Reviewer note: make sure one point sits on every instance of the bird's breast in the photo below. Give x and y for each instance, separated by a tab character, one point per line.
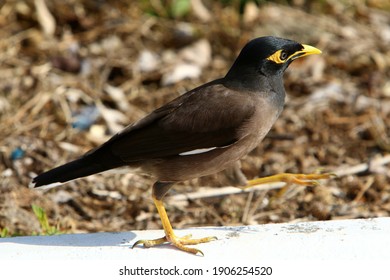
266	112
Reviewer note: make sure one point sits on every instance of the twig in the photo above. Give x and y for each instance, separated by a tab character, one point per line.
365	187
204	192
364	167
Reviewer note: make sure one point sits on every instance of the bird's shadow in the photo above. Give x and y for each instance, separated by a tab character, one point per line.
121	239
77	240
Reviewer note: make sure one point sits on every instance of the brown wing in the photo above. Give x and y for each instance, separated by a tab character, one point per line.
205	117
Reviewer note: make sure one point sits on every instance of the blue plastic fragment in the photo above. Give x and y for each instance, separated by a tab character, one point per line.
17	153
86	117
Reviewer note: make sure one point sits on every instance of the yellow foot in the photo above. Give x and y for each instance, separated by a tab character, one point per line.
290	178
178	242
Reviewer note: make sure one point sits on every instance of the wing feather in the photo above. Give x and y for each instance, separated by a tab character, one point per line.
200	119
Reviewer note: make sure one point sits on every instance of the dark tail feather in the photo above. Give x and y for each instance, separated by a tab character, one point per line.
82	167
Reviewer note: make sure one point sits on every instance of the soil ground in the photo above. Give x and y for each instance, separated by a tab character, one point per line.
75	72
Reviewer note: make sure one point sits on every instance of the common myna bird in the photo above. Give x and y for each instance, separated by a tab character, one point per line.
201	132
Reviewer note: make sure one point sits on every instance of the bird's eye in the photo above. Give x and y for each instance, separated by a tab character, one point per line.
283	55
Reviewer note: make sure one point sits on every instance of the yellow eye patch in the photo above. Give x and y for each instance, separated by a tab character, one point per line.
276	57
307	50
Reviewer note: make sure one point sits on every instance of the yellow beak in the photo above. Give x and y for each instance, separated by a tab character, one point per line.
307	50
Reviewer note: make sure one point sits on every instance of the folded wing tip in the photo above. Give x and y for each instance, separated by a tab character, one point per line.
33	185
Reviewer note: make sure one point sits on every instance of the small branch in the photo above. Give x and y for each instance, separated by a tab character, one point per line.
206	192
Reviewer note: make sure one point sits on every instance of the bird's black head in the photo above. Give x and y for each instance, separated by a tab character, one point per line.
265	57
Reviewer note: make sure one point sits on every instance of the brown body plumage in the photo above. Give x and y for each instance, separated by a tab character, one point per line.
199	133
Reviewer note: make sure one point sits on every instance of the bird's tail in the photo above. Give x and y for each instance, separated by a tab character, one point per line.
84	166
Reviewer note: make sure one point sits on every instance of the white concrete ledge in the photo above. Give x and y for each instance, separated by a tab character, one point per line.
367	239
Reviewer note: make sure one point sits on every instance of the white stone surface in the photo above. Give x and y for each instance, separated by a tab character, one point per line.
356	240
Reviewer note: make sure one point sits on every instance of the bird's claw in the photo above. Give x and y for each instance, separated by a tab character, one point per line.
178	242
291	178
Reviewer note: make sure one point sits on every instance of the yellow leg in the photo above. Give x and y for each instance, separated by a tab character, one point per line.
290	178
170	236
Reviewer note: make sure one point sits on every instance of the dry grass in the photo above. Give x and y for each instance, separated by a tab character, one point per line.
55	62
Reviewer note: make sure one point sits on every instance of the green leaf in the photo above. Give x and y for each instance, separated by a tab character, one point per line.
180	8
42	218
4	233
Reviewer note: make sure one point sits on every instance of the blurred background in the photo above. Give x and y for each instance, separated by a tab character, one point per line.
74	72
